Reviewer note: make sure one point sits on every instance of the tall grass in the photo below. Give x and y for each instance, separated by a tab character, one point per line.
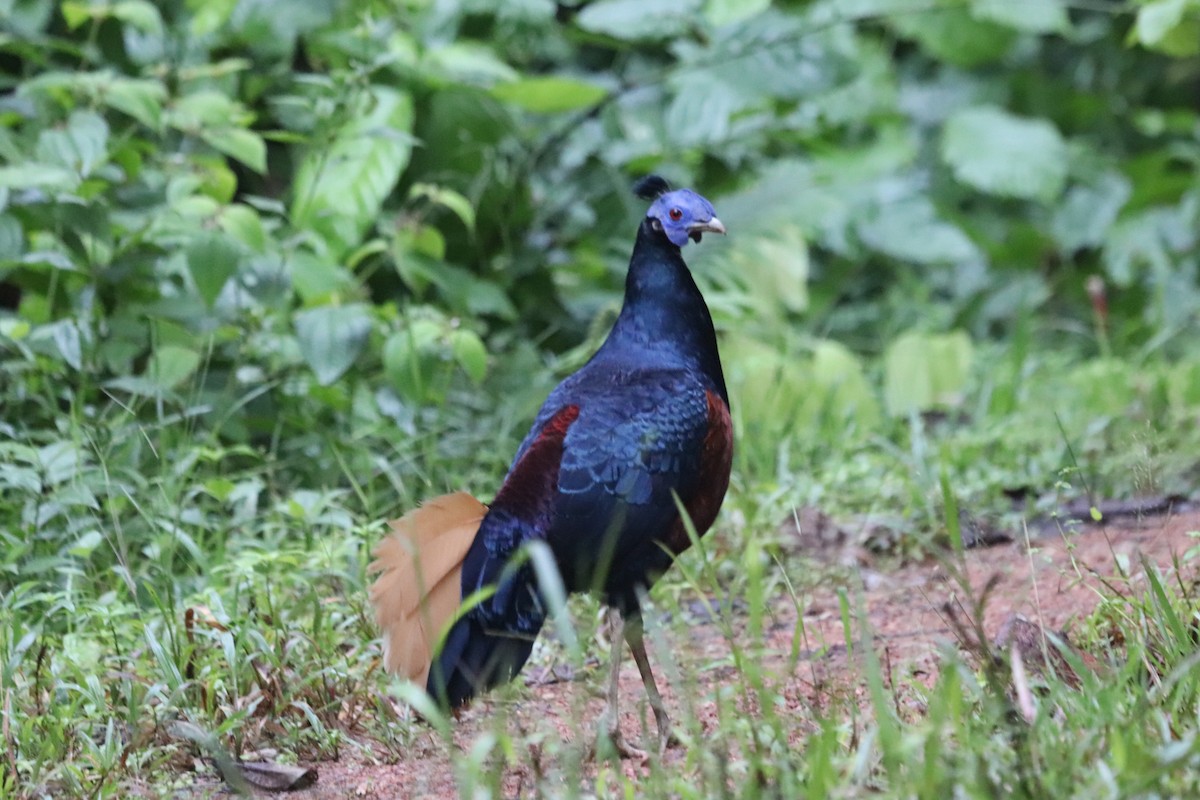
172	603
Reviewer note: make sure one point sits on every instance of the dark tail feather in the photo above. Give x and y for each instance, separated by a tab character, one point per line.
473	661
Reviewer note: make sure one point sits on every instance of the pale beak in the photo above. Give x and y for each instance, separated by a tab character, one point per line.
714	225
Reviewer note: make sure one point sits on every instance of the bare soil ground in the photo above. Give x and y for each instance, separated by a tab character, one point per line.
1055	582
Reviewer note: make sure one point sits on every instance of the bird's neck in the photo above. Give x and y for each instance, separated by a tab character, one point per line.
664	317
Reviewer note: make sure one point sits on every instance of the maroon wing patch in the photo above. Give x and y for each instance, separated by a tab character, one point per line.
716	458
534	478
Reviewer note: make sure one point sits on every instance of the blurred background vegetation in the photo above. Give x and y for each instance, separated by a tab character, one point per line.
272	270
283	222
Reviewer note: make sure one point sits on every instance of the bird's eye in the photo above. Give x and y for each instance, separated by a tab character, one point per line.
675	214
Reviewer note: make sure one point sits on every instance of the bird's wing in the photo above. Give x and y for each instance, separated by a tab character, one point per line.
635	448
639	437
522	510
566	394
601	468
597	478
492	638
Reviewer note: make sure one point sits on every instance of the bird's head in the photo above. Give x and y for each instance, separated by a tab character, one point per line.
680	214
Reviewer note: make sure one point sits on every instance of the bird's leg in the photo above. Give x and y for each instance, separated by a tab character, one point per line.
612	720
633	635
616	627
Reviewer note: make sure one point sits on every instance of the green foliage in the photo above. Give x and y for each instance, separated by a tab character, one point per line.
924	371
342	180
272	271
1000	154
1172	26
549	95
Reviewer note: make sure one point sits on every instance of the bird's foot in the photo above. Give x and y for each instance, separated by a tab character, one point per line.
668	739
613	738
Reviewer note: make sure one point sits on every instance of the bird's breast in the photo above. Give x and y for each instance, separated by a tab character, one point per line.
716	460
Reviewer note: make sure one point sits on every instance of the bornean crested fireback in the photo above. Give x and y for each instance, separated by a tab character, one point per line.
618	447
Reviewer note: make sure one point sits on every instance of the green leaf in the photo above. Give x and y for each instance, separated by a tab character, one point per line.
135	385
475	295
170	365
140	98
843	388
1032	16
81	146
909	230
1172	26
1104	387
79	649
412	360
950	33
12	238
86	544
634	20
340	186
14	329
28	19
60	461
1157	18
140	14
222	123
1145	242
448	198
331	337
425	240
702	110
792	389
209	15
218	181
1002	154
725	12
773	56
470	354
774	268
468	63
244	224
1087	213
76	13
550	95
246	146
206	108
316	279
65	334
212	258
219	488
923	371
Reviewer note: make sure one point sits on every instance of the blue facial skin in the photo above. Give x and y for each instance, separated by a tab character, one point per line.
682	215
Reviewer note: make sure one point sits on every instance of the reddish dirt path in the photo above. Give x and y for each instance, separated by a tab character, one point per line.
1056	582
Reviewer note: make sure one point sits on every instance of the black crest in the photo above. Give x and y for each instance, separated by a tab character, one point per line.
651	187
